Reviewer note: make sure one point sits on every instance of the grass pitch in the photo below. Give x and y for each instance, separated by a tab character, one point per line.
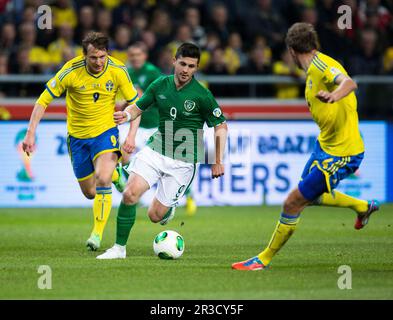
306	268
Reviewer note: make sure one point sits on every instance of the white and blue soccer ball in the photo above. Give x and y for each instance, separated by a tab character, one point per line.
168	244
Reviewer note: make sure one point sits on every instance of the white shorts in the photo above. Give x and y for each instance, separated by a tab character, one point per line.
142	135
173	177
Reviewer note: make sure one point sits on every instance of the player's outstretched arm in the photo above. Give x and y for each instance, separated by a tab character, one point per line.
35	118
345	86
130	113
220	138
130	144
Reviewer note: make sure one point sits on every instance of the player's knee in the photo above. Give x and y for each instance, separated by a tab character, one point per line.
130	197
89	194
103	180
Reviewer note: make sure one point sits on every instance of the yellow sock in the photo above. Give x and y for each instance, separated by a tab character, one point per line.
343	200
284	229
115	176
101	209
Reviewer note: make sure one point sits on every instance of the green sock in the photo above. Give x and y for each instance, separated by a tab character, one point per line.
125	220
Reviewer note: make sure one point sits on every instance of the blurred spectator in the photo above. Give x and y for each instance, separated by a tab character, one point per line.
265	20
161	25
175	8
4	63
258	62
291	10
124	13
139	23
63	12
85	23
367	59
217	63
373	21
260	42
165	61
388	61
104	22
22	64
219	22
217	66
29	14
37	56
234	54
193	19
287	67
183	34
65	41
110	4
149	38
309	15
4	69
212	42
118	48
8	38
374	7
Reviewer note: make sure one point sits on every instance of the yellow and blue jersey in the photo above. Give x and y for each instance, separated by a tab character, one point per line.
90	98
338	122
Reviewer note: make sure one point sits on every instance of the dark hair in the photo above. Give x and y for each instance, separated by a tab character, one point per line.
140	45
302	37
188	50
97	40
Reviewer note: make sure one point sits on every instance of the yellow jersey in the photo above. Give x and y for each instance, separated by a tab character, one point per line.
338	122
90	98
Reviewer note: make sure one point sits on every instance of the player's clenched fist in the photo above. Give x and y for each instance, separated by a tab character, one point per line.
120	117
28	144
217	170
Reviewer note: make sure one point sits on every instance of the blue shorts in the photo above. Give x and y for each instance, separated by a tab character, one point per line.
323	172
83	152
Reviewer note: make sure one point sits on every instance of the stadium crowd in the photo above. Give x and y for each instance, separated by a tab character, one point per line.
236	36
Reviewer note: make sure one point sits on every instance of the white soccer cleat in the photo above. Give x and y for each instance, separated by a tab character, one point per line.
168	216
116	252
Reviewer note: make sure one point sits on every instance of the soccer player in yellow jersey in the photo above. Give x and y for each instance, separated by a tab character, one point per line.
339	149
91	82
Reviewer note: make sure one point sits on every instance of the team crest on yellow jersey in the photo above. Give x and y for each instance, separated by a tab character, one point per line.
109	85
310	84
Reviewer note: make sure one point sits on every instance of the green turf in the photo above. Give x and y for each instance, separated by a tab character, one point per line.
306	268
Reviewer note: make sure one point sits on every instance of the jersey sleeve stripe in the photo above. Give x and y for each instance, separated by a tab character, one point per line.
323	64
51	93
136	96
68	71
121	67
73	66
319	67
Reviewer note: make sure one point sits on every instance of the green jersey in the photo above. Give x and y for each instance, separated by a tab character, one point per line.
182	115
141	79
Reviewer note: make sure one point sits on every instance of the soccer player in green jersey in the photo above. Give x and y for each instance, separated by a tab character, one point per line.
142	74
339	149
91	81
173	151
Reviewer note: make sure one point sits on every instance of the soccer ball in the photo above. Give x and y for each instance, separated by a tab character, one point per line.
168	244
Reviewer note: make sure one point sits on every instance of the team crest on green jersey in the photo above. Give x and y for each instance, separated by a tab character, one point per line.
217	112
189	105
109	85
